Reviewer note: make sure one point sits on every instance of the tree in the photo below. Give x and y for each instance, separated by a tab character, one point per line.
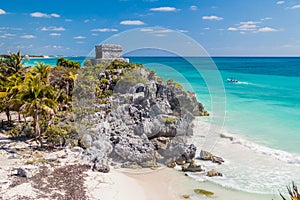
293	192
67	63
37	97
11	76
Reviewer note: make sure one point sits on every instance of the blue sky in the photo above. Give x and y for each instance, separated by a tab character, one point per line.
222	27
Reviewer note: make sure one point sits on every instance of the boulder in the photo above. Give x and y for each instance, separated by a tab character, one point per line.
192	167
205	155
100	167
213	172
176	150
171	164
22	172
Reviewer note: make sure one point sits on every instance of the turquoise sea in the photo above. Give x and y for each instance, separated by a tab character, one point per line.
262	114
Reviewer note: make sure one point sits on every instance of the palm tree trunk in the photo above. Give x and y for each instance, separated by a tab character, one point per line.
37	130
8	116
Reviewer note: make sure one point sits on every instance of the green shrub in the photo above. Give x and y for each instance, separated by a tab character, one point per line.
58	135
104	80
169	120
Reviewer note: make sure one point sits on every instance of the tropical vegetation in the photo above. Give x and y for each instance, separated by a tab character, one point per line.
46	100
293	192
41	95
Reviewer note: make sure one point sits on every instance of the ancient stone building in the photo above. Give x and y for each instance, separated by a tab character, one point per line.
108	52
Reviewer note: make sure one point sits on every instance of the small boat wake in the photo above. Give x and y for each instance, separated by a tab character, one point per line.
235	81
232	80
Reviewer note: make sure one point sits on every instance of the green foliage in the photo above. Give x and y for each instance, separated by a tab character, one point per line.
22	130
87	63
169	120
57	135
133	77
170	81
293	192
121	65
67	63
104	80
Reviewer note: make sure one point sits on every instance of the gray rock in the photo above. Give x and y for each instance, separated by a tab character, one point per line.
192	167
176	150
86	141
22	172
205	155
100	167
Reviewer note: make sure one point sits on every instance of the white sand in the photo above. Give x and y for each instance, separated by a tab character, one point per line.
146	184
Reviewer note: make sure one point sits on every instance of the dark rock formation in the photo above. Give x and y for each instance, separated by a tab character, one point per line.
22	172
205	155
192	167
213	172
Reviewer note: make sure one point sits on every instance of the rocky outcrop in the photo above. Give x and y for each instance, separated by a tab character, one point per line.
192	167
146	120
205	155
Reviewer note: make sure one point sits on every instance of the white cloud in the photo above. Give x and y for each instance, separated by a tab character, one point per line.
248	26
28	36
232	29
7	35
44	15
249	23
183	31
132	22
53	28
11	28
164	9
212	17
146	29
105	30
280	2
251	26
55	15
55	34
267	29
266	18
207	28
79	37
193	8
295	7
160	32
2	12
57	47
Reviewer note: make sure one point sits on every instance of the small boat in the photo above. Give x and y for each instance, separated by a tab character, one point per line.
232	80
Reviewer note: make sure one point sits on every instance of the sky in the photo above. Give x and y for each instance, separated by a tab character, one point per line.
222	27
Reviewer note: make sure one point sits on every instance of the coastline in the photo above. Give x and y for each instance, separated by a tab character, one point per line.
140	184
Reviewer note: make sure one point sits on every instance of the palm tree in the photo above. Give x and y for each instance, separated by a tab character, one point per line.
14	62
43	71
11	75
293	192
38	98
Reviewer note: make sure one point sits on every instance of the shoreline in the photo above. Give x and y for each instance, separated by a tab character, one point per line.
140	184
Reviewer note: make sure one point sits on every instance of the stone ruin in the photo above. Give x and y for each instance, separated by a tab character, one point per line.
108	53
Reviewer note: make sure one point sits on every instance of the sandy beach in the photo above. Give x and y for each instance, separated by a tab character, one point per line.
119	184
